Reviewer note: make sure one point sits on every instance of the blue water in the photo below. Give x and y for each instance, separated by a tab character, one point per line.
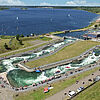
41	20
73	34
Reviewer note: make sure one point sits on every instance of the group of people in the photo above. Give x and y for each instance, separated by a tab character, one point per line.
3	83
37	84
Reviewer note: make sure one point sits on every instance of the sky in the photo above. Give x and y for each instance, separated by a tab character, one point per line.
51	2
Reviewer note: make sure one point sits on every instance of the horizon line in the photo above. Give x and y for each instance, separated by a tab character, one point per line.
49	6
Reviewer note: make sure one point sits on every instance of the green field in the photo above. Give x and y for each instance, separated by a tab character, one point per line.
13	53
58	86
92	93
67	52
26	42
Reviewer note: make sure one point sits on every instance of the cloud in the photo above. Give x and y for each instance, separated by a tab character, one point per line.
11	2
45	4
80	3
70	3
76	2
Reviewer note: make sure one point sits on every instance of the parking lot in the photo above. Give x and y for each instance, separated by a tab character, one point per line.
82	83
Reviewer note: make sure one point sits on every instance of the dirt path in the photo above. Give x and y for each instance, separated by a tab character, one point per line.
60	95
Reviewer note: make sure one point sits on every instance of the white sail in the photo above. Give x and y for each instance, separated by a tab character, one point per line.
17	18
68	14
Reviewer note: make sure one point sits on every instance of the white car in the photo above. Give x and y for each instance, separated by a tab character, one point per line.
71	93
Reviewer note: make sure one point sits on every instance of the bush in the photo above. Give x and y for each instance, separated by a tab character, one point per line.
17	37
20	42
21	35
6	46
27	35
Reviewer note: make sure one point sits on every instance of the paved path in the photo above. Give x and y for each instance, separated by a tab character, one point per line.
63	77
6	94
54	37
60	95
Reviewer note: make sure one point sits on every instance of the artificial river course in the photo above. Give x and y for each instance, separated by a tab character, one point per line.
18	77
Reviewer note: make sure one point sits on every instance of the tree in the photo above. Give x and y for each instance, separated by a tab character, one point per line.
20	42
6	46
21	35
96	26
27	35
17	37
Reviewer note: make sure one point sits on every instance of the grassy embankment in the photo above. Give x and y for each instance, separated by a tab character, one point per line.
92	93
3	8
58	86
93	9
15	45
67	52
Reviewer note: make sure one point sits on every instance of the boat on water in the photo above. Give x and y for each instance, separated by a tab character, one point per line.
68	67
69	15
38	71
17	18
58	71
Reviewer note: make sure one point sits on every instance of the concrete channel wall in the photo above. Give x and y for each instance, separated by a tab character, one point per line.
63	62
23	66
31	51
75	72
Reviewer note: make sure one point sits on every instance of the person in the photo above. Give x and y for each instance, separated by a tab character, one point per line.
83	82
65	93
66	75
24	61
77	82
49	85
69	91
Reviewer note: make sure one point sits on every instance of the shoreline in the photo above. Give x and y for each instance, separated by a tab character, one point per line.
90	26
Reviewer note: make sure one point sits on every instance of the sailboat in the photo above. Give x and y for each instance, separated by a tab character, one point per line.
17	18
69	15
17	23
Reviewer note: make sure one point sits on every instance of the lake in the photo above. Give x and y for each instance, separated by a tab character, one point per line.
42	20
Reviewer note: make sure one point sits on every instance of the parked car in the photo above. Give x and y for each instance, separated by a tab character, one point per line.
71	93
80	89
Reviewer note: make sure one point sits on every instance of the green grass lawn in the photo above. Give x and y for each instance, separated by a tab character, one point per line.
58	86
92	93
23	50
27	41
36	38
2	42
67	52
